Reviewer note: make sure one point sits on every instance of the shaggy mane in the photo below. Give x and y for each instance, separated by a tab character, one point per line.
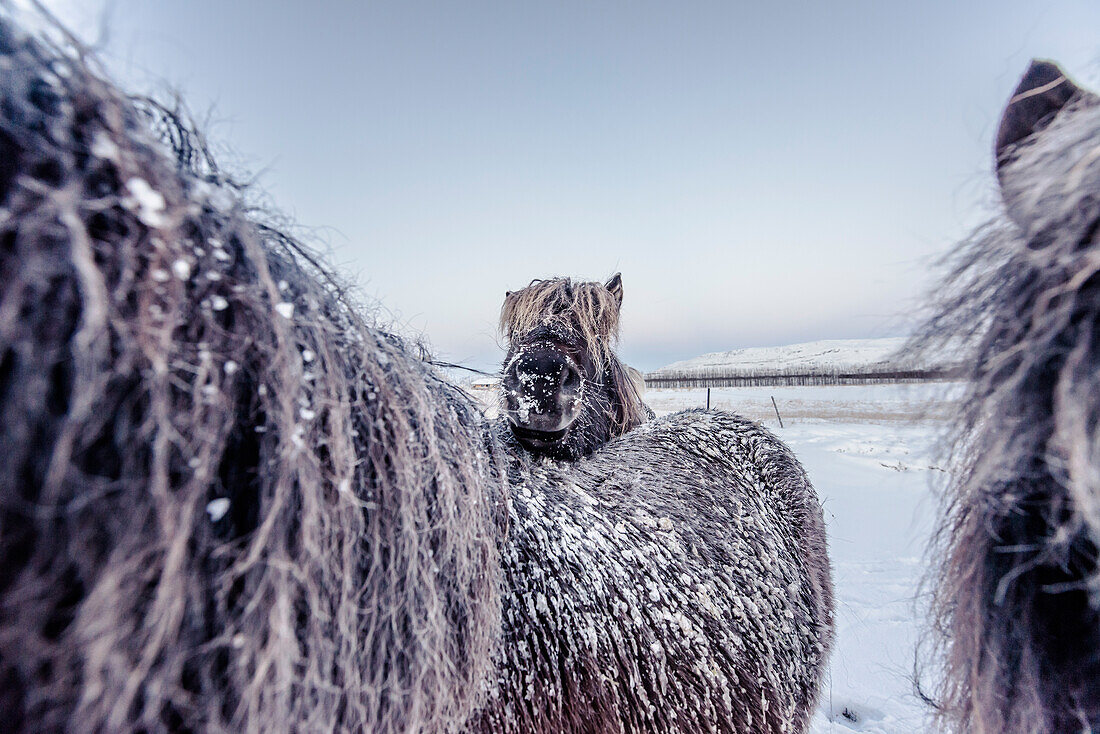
228	502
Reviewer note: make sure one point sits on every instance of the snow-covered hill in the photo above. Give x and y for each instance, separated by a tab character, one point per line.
832	355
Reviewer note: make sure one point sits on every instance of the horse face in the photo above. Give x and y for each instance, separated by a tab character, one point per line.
564	392
546	378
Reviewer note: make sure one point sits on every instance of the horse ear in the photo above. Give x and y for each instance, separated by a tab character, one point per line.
1044	90
615	286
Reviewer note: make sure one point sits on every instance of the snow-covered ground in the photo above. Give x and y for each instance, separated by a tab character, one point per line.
871	452
875	482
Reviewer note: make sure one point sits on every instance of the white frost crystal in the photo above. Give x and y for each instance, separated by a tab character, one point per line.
104	147
216	509
148	203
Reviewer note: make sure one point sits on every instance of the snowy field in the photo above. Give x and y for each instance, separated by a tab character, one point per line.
884	403
871	453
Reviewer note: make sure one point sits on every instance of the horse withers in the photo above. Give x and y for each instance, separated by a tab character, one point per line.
674	580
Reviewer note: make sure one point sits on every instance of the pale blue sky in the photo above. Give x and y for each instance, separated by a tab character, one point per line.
761	173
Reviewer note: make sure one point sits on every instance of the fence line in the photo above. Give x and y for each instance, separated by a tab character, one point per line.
767	378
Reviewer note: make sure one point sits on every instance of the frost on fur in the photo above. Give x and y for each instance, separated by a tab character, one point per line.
676	580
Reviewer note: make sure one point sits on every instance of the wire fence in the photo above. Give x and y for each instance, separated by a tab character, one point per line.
723	377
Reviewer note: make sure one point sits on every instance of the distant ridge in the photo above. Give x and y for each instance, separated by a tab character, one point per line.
827	352
827	362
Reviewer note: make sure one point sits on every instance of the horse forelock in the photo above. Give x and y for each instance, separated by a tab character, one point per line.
585	316
586	312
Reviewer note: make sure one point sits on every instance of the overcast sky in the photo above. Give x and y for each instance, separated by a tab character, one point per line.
762	173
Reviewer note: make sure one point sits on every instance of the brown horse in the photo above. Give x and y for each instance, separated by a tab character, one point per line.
1017	599
564	392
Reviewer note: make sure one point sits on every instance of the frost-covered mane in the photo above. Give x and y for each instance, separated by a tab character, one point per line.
210	458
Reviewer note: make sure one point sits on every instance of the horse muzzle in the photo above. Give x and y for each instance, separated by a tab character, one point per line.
542	397
533	439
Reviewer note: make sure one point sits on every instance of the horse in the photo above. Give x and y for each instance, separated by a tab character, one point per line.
660	575
564	391
1016	602
231	502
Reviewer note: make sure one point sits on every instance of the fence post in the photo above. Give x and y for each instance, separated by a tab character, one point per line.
708	398
777	412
